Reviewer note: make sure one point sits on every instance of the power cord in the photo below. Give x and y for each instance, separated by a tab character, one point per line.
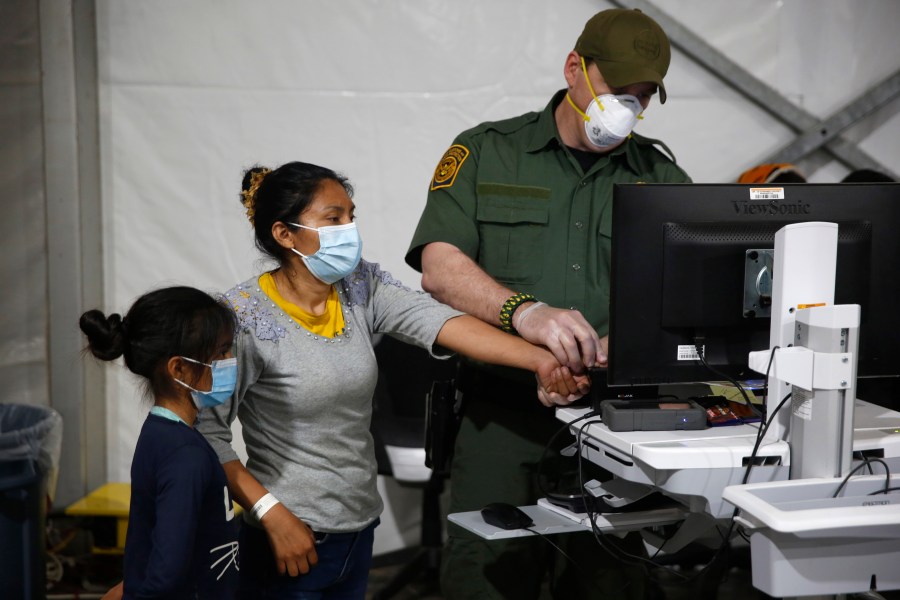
860	456
592	514
702	358
588	502
866	461
591	417
587	575
761	434
540	468
561	551
618	553
751	462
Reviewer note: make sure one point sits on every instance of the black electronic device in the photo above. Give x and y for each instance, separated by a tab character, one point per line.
691	265
505	516
652	415
601	391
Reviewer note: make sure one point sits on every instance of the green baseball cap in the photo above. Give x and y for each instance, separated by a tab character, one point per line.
627	46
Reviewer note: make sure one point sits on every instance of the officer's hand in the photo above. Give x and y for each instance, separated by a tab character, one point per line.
566	333
603	354
292	541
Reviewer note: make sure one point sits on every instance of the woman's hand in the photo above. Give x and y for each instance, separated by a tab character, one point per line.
558	386
293	542
116	592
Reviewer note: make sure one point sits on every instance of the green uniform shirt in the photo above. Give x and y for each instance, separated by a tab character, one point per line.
512	197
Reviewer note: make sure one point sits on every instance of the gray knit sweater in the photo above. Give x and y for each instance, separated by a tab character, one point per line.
305	402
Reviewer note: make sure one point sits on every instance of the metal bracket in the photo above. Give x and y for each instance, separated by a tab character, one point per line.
758	283
807	369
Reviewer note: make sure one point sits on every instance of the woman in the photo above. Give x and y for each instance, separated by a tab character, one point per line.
182	536
306	380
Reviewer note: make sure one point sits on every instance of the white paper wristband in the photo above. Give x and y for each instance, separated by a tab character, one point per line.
263	505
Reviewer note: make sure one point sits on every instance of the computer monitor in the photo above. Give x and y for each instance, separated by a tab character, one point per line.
687	269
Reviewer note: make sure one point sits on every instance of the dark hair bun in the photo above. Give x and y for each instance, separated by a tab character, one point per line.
106	335
247	181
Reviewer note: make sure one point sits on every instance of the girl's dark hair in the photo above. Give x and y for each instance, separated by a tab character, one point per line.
282	195
173	321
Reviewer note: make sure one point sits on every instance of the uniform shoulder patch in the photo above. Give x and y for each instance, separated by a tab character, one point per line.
449	166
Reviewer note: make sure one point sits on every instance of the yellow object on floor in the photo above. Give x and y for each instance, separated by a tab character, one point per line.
107	507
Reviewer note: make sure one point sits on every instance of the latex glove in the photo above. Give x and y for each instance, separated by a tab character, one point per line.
292	541
603	355
566	333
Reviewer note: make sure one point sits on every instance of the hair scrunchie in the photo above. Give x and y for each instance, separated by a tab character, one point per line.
248	196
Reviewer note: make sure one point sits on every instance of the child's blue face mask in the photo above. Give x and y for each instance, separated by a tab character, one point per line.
340	248
224	379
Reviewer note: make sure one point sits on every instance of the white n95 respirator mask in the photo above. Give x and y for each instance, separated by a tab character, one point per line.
609	118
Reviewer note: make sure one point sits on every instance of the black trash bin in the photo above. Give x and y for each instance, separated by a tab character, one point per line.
30	439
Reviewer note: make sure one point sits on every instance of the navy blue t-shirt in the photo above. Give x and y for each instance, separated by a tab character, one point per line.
182	534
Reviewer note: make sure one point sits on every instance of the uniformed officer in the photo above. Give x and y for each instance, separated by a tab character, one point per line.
516	231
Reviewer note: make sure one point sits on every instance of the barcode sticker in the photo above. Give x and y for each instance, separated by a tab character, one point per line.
689	352
767	193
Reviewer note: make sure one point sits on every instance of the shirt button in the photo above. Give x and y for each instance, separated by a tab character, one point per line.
579	224
576	267
583	183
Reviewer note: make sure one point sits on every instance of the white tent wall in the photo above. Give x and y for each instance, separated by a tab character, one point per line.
50	228
191	92
23	315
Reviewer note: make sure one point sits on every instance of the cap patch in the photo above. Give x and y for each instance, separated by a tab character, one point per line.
646	44
448	167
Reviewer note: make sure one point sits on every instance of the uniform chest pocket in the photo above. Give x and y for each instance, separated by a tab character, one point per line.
512	224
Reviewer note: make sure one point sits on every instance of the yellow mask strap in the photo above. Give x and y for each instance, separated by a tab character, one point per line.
590	87
578	110
594	94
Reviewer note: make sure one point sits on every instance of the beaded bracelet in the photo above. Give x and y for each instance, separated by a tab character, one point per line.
509	307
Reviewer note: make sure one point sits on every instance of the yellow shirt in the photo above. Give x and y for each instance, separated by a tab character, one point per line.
329	324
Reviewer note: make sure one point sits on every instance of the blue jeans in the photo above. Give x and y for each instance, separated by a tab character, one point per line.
342	572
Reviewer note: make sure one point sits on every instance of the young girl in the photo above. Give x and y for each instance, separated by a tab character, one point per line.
182	535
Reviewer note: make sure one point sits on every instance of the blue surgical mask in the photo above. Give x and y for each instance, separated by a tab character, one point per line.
340	248
224	379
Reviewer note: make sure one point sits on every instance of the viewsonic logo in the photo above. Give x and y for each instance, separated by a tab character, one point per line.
771	208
